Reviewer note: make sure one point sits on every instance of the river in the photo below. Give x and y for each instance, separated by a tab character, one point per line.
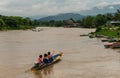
82	57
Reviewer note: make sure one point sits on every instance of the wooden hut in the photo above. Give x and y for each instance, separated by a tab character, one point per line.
113	23
70	23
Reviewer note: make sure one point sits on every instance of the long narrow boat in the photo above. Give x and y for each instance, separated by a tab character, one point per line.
113	45
105	40
108	45
56	58
84	35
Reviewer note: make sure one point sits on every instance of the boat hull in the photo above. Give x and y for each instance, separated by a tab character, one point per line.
113	45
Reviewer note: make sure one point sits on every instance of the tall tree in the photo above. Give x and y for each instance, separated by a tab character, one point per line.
117	15
27	21
88	21
109	16
99	20
2	24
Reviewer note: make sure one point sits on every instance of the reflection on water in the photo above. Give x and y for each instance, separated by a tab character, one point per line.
44	73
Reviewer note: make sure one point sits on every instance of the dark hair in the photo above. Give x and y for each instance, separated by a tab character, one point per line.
45	55
40	56
48	53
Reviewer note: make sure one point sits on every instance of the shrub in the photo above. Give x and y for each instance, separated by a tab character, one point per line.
98	29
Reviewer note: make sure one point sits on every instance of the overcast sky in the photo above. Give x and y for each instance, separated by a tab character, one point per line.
49	7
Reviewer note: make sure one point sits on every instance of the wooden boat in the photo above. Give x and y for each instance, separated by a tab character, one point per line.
108	45
84	35
104	40
116	45
99	36
110	40
113	40
113	45
56	58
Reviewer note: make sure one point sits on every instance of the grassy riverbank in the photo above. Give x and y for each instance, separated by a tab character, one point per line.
108	31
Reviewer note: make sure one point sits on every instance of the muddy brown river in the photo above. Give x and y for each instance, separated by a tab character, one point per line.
82	57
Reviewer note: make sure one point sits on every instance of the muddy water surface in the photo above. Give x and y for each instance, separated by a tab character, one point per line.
82	57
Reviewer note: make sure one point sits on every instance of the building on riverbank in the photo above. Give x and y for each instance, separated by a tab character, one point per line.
70	23
113	23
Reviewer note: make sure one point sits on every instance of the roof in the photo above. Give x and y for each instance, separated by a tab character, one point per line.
114	21
68	22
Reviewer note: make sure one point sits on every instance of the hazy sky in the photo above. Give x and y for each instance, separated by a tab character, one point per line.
49	7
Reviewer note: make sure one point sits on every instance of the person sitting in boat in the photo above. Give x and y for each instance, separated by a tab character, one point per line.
45	59
50	57
40	59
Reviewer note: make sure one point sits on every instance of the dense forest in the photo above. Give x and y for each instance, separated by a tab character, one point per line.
17	22
100	19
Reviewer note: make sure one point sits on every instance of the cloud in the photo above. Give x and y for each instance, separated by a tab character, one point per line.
49	7
111	7
106	3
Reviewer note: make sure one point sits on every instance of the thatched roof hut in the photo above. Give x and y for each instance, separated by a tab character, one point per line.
70	23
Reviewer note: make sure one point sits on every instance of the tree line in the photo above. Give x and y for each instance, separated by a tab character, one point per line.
100	19
17	22
51	23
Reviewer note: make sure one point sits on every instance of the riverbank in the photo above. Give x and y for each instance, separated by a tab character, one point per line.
108	31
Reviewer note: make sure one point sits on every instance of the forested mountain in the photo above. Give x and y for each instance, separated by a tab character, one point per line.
64	16
101	10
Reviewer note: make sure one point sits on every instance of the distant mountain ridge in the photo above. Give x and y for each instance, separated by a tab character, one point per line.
101	10
80	14
64	16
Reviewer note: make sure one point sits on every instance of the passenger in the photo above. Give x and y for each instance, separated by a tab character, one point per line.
50	57
40	59
45	59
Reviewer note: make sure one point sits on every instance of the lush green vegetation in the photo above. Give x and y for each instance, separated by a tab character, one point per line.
100	19
51	23
109	31
17	22
99	22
